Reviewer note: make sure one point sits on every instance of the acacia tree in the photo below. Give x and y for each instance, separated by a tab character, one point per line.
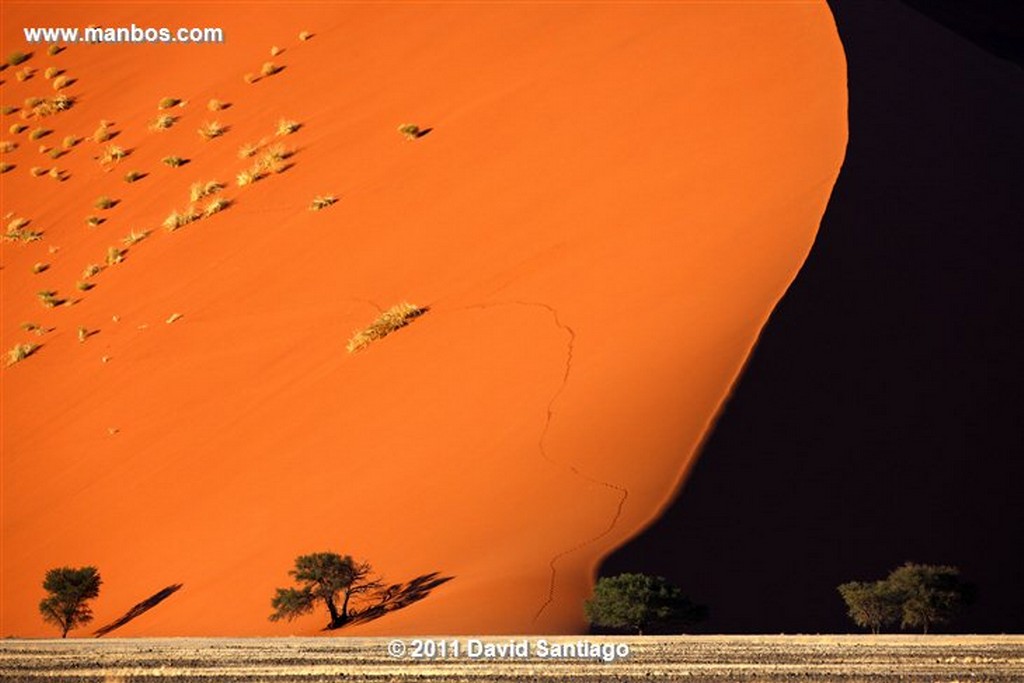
915	595
69	590
930	594
638	602
327	578
871	605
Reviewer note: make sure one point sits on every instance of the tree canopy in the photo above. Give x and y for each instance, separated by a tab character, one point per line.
69	591
638	602
327	578
915	595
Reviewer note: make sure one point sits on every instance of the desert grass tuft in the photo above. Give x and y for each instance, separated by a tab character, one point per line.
174	162
410	130
162	122
103	132
83	334
8	146
212	129
55	153
37	171
56	174
40	268
200	190
20	352
51	72
104	203
48	298
61	82
91	270
174	317
305	35
287	127
216	206
5	167
111	154
115	255
395	318
83	286
322	202
133	176
17	128
134	237
32	327
54	50
38	133
269	69
250	78
179	219
69	141
216	105
16	58
24	74
247	150
248	177
168	102
8	109
93	221
275	51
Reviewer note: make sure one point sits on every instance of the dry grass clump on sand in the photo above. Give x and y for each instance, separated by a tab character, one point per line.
216	105
17	128
61	82
5	167
84	286
17	231
48	298
168	102
134	237
173	161
54	50
69	141
91	270
115	256
40	268
104	203
250	78
133	176
8	146
162	122
410	130
8	109
247	150
322	202
103	132
38	133
200	190
111	154
20	352
269	69
287	127
16	58
211	130
275	51
305	35
37	171
179	219
216	206
25	74
395	318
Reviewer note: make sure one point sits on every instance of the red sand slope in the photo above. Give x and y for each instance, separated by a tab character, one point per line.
611	201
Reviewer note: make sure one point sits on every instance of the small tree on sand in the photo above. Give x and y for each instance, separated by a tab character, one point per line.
930	594
69	591
638	602
327	578
872	605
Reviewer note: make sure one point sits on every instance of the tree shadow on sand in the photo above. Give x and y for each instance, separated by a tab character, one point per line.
144	606
394	597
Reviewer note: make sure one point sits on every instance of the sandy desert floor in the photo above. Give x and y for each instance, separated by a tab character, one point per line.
848	659
610	201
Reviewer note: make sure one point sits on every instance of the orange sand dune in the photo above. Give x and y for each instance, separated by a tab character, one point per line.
611	200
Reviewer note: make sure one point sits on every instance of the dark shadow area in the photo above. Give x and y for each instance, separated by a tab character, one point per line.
880	418
421	133
395	597
993	25
139	609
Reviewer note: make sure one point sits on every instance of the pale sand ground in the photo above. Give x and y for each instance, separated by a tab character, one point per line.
694	658
611	202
